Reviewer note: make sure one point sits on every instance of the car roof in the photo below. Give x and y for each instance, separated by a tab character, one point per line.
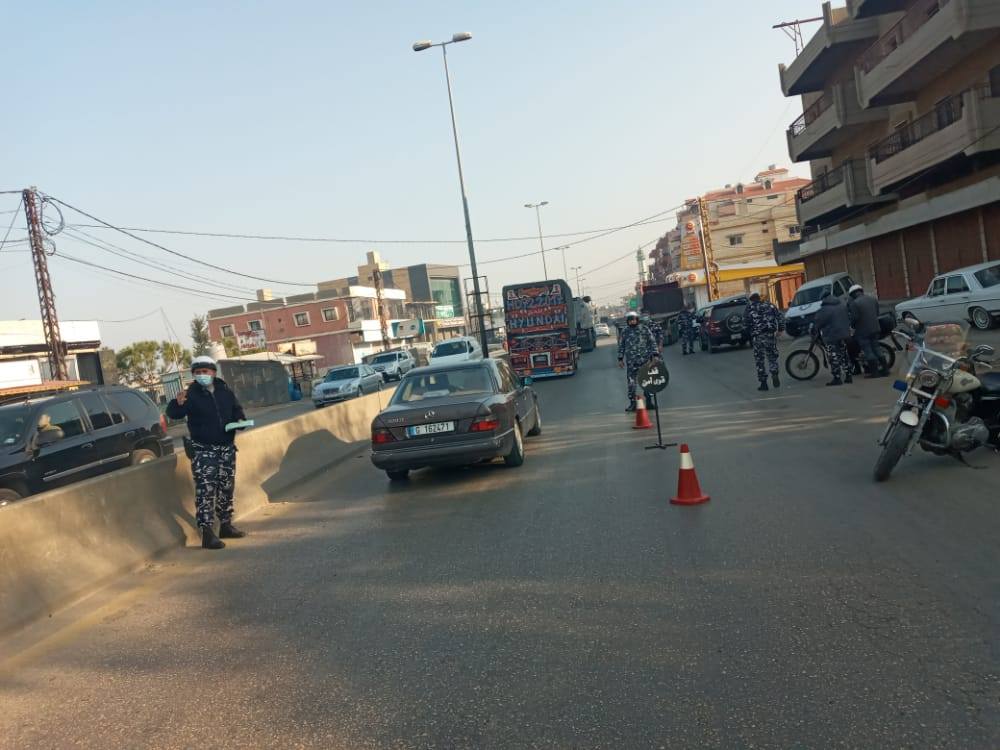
824	280
969	269
449	367
728	300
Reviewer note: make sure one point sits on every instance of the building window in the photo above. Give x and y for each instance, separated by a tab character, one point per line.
749	200
794	229
394	309
331	314
301	319
227	332
447	293
255	325
772	197
735	239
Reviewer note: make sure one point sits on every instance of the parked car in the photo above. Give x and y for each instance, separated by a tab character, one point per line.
971	293
455	414
393	365
53	440
460	349
721	323
602	330
806	302
349	381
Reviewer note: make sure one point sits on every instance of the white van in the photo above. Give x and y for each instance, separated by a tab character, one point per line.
806	301
460	349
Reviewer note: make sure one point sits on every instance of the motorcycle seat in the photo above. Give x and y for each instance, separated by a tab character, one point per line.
991	383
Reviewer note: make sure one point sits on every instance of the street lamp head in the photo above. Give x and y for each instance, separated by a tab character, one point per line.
544	203
421	46
461	36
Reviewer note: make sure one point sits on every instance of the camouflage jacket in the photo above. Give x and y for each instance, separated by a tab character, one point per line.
637	345
763	317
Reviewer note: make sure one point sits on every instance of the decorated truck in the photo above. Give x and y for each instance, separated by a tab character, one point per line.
540	318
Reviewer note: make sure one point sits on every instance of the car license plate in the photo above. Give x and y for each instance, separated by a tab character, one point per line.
735	337
430	429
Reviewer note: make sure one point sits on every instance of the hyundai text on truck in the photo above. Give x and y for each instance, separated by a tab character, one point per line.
540	319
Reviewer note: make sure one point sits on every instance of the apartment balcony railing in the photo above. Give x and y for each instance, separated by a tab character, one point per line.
830	121
916	17
945	114
821	184
836	193
811	114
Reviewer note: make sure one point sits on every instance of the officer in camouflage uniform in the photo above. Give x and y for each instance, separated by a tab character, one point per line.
686	326
654	328
635	348
209	405
764	321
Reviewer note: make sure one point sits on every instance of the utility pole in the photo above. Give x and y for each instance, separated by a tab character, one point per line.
640	258
380	302
711	267
46	298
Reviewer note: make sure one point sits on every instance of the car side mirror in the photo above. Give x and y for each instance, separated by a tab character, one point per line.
49	437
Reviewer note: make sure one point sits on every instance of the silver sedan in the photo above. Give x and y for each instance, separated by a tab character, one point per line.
971	293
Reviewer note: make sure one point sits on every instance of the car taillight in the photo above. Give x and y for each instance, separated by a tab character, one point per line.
484	424
714	325
163	423
381	436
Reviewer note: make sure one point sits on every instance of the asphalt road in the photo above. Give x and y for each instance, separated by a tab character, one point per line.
566	603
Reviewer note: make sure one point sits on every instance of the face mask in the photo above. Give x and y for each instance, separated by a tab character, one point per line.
205	380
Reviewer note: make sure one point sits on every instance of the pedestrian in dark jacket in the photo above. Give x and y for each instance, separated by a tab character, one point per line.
209	405
834	325
864	312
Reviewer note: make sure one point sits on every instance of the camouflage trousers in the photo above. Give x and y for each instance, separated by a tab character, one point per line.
840	362
688	336
214	470
765	347
632	376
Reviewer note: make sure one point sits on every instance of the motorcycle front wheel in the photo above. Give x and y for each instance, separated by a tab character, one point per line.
893	450
886	354
802	364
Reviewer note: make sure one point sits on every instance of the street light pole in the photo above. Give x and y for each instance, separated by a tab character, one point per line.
480	314
541	244
579	289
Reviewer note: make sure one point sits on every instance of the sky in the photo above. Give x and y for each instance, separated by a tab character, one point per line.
317	119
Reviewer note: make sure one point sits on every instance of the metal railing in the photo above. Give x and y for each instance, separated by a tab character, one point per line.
822	183
886	44
811	114
945	113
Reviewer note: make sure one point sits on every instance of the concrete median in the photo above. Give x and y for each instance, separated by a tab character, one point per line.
61	545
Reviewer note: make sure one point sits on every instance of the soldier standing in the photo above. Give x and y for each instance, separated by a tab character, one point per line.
686	323
765	322
654	328
834	325
636	347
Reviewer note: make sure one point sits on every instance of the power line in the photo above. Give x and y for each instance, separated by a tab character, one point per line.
179	254
352	241
132	320
11	226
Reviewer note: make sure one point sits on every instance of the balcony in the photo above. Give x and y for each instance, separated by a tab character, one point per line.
963	124
869	8
836	40
831	196
828	122
932	37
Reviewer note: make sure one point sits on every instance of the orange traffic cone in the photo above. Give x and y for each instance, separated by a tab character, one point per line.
641	415
688	490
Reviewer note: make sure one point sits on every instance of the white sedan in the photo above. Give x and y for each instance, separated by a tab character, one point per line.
971	293
601	330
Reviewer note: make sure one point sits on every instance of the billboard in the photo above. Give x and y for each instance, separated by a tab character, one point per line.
405	329
251	340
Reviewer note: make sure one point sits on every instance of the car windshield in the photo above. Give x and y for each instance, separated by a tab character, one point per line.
14	421
345	373
448	348
810	295
431	385
989	277
384	358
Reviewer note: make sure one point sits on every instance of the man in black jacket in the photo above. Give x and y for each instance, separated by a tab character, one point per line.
864	317
209	405
834	324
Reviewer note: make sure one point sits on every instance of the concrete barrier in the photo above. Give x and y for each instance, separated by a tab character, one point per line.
61	545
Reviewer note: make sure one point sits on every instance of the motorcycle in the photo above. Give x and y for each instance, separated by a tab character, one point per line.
949	405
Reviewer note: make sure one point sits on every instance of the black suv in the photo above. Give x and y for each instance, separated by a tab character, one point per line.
48	441
721	322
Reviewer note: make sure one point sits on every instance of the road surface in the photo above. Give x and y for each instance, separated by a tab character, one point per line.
565	603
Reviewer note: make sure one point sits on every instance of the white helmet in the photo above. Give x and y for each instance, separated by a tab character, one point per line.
855	288
631	314
205	362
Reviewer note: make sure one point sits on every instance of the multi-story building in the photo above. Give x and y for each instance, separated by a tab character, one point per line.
434	292
901	128
342	326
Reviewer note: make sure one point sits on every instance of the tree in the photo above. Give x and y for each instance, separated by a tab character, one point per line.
138	363
199	335
173	356
231	346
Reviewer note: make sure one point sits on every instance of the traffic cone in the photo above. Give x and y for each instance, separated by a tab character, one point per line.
688	490
641	415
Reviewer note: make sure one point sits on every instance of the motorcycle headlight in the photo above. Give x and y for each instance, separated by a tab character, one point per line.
928	379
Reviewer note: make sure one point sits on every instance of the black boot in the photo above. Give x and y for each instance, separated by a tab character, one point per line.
209	540
631	406
228	531
848	378
775	380
836	381
763	386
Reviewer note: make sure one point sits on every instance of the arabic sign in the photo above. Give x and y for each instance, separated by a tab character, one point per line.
250	340
653	376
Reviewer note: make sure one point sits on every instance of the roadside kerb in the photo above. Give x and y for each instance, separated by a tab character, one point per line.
62	545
